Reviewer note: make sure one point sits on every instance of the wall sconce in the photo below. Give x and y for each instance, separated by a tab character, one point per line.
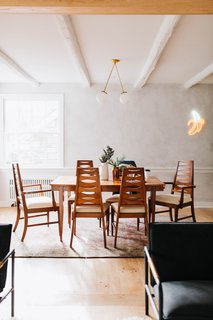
196	123
102	96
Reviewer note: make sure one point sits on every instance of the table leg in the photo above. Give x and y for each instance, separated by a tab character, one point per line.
61	210
153	197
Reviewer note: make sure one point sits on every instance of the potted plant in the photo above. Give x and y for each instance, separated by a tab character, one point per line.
105	157
117	167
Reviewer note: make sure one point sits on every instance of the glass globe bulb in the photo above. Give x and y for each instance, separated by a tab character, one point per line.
101	97
124	97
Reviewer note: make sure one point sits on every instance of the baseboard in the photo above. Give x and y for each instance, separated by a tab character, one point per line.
203	204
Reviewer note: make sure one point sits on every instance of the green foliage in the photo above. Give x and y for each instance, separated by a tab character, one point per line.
107	155
117	162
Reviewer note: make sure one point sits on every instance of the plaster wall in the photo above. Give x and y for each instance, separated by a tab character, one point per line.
151	128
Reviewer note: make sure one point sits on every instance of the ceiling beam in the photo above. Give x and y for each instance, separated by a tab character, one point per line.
107	6
15	67
66	25
158	46
199	77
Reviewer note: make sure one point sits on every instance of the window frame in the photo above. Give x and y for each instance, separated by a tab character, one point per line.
40	96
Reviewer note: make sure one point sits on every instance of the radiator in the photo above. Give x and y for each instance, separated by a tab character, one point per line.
44	182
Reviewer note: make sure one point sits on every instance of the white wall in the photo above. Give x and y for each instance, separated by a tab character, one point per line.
151	128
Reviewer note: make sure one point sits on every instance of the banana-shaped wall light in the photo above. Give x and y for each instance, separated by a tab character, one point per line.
196	123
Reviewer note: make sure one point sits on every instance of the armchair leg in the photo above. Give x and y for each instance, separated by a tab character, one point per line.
72	232
138	223
48	219
17	217
170	214
13	286
193	213
176	214
25	227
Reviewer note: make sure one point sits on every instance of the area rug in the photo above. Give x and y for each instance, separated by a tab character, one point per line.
44	241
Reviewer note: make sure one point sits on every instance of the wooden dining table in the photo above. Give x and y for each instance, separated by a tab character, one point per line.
68	183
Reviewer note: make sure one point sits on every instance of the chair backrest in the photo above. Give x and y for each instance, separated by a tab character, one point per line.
83	164
129	162
182	251
17	181
5	238
133	190
88	189
184	176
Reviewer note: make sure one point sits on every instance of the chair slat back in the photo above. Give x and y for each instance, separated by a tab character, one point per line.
84	164
88	189
133	190
17	182
184	176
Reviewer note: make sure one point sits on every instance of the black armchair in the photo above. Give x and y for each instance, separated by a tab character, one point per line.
178	271
5	254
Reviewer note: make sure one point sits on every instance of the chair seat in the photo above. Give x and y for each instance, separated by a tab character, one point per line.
128	208
181	297
91	208
172	198
112	199
39	202
72	198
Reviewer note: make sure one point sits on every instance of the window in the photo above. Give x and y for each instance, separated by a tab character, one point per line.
32	130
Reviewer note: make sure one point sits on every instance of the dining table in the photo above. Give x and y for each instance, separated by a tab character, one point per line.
64	184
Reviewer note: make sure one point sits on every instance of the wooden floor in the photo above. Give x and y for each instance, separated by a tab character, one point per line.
87	289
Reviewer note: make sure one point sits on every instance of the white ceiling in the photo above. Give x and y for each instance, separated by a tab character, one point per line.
36	43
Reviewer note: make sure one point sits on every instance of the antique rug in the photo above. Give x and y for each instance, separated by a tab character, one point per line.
44	241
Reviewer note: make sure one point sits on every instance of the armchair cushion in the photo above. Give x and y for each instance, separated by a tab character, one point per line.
173	198
39	202
191	300
5	238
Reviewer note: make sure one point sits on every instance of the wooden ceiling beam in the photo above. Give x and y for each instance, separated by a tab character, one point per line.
160	42
199	77
15	67
107	6
67	28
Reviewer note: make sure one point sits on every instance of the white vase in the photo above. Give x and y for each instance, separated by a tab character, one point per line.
104	171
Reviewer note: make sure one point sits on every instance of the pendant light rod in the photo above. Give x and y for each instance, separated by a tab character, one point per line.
102	95
114	61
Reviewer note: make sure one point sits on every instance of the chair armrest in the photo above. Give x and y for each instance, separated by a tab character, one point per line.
33	185
2	262
183	191
37	191
152	266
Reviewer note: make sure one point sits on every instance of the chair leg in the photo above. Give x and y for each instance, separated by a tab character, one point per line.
193	213
25	227
138	223
48	219
170	214
107	216
69	213
112	222
104	232
116	232
176	214
146	225
17	218
149	211
72	231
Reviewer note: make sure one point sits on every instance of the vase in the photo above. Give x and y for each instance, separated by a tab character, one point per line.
104	171
116	173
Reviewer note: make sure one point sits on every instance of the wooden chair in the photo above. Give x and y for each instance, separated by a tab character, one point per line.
5	255
88	200
71	199
35	206
115	195
182	192
132	200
